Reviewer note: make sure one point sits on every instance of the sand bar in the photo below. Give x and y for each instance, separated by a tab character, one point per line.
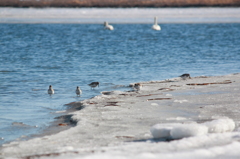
117	124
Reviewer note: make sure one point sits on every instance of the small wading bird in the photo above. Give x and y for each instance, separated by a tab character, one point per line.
50	90
94	84
185	76
156	26
137	86
78	91
107	26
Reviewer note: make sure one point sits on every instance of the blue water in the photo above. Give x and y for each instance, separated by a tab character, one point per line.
33	56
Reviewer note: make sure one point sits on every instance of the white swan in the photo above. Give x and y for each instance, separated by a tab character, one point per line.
78	91
156	26
107	26
50	90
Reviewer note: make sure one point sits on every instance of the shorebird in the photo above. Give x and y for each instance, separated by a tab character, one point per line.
185	76
107	26
78	91
94	84
137	86
50	90
156	26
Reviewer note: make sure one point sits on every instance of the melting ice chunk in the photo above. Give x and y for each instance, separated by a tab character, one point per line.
220	125
178	131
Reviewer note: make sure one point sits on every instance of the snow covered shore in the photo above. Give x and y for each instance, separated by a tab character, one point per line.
119	15
175	118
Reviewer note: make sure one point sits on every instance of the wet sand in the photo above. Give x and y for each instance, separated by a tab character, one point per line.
114	119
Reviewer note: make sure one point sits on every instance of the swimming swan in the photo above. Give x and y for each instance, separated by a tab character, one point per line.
156	26
107	26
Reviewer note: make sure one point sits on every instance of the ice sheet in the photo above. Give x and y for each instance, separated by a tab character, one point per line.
122	124
119	15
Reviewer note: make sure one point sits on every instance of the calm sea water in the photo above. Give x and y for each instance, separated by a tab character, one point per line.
33	56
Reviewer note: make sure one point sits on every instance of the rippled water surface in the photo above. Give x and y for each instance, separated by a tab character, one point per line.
33	56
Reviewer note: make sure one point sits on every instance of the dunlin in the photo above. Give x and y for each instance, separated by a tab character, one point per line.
78	91
185	76
50	90
137	86
94	84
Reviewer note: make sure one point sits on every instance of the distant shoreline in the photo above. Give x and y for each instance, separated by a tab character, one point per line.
119	15
118	3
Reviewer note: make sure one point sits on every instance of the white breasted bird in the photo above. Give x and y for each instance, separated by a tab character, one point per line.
137	86
50	90
78	91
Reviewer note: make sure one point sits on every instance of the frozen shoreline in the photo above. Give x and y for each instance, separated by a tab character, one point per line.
118	124
120	15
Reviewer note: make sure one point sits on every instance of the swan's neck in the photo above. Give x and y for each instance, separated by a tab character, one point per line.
155	20
106	24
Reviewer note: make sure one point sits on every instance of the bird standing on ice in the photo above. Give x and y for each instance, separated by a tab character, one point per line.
107	26
156	26
50	90
94	84
137	86
78	91
185	76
